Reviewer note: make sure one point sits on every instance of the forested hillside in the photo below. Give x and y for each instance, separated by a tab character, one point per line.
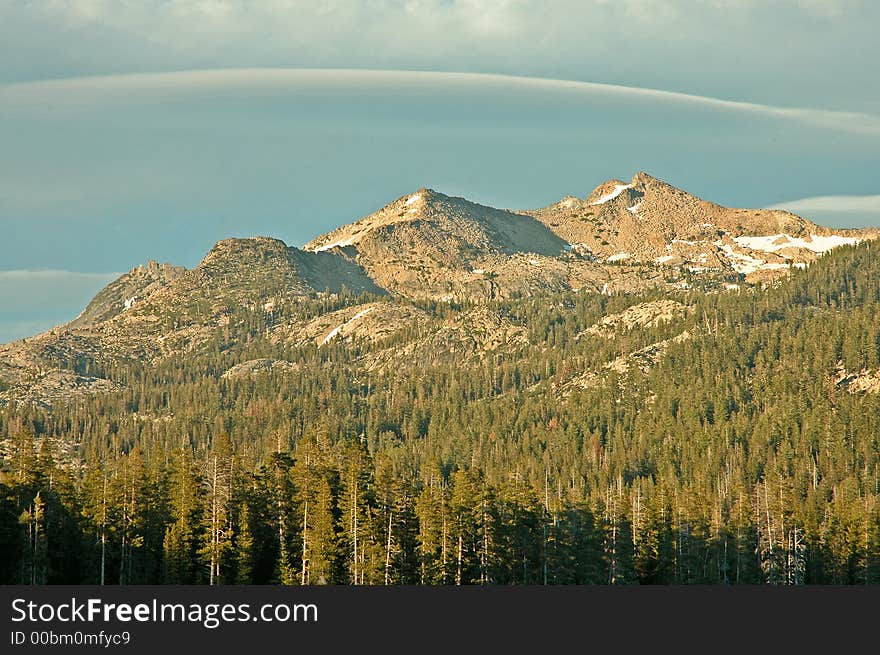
737	440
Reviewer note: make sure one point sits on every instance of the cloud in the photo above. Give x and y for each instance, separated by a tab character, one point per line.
832	204
79	92
107	172
837	211
786	50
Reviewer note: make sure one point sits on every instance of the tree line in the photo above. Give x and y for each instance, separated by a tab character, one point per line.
738	458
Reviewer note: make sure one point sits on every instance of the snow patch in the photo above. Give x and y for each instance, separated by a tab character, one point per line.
413	198
740	262
664	259
340	244
335	331
579	247
129	302
635	208
815	242
618	189
618	257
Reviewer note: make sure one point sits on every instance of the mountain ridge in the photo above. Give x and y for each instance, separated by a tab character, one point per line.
424	247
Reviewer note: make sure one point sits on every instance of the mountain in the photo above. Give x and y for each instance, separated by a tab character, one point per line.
158	310
373	409
425	247
429	245
648	221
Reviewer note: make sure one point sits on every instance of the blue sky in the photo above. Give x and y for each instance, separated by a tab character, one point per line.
149	130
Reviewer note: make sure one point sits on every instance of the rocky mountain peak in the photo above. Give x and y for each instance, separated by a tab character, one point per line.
423	197
404	209
259	246
649	221
127	290
623	237
642	179
607	192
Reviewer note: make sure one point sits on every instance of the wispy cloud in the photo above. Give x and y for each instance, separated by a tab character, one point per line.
719	45
87	91
832	204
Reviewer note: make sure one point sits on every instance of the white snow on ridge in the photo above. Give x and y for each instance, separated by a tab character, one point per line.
341	244
746	264
635	208
335	331
618	257
413	198
816	243
618	189
741	263
664	259
577	247
129	302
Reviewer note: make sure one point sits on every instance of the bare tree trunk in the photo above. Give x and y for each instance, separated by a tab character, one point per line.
103	530
388	551
304	577
544	520
282	535
124	525
458	569
443	547
484	558
769	532
214	539
354	509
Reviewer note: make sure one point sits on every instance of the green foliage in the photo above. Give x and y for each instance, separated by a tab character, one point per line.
736	458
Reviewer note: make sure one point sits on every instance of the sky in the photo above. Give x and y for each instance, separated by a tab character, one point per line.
132	131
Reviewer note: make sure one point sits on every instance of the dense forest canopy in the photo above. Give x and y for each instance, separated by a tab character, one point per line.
737	457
